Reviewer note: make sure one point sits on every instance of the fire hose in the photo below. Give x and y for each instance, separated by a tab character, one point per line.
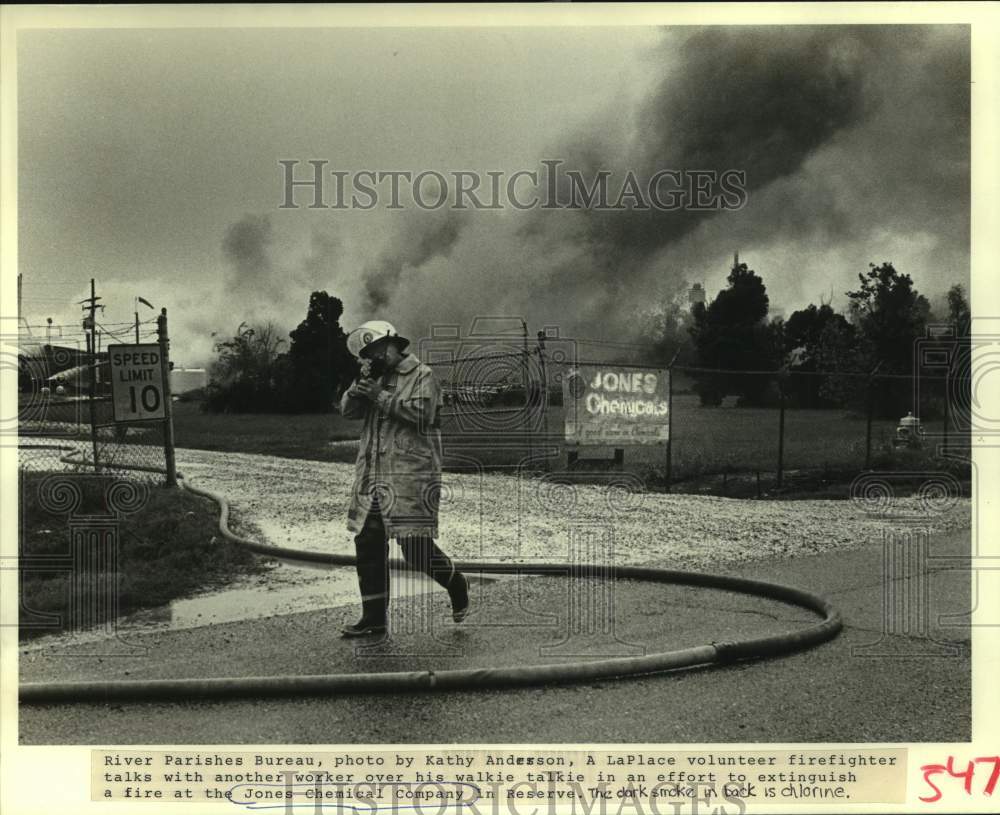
715	653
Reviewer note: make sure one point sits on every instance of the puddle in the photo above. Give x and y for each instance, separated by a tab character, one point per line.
286	588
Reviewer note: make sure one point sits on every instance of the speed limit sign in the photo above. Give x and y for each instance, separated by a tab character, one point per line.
137	387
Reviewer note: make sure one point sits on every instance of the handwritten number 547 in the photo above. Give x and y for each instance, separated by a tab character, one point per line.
931	770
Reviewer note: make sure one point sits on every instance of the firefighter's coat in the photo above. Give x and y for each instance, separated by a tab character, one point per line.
400	453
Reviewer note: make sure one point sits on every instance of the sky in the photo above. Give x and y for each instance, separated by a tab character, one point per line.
149	160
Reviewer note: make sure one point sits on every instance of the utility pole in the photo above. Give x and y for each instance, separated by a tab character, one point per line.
90	325
168	411
97	356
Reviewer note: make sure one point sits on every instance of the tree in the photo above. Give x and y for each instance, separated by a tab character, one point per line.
890	316
321	365
809	335
733	333
959	314
244	377
804	328
841	354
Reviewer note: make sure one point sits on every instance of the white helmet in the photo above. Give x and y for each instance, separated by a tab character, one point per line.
367	334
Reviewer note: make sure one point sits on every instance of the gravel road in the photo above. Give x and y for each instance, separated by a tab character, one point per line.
303	504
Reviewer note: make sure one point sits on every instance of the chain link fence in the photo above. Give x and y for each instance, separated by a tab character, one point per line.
66	418
134	451
504	409
491	416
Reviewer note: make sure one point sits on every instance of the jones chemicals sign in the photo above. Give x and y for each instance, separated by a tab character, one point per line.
137	382
608	406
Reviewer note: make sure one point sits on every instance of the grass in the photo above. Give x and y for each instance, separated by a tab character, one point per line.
168	548
712	447
706	440
304	435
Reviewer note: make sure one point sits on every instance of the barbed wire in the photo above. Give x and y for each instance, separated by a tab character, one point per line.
609	343
78	324
508	355
762	372
79	334
126	331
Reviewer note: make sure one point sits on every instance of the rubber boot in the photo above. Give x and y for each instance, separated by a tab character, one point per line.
458	591
374	613
423	554
372	547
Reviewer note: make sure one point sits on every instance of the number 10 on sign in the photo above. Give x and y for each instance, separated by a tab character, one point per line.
137	382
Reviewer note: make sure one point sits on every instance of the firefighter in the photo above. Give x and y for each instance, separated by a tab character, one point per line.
397	483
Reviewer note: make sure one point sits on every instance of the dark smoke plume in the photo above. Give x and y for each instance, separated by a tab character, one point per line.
427	235
246	247
266	284
758	100
855	145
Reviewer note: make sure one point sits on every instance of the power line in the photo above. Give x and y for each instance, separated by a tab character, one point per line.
611	343
71	286
126	329
76	325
